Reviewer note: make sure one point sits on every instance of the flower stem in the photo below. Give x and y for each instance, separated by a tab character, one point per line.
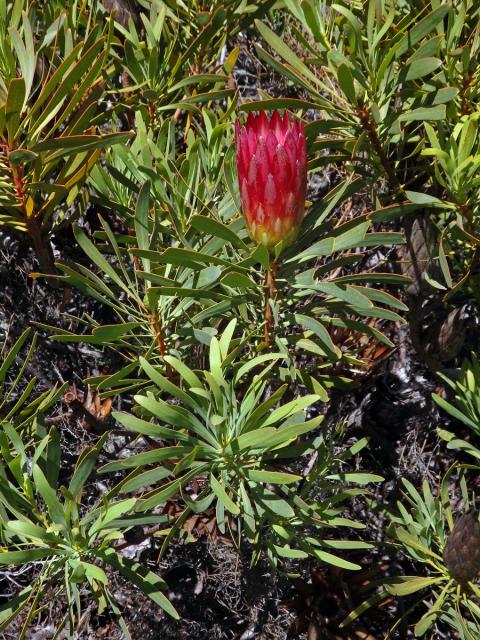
270	292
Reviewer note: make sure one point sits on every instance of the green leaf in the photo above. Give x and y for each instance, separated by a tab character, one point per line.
182	257
94	254
175	415
238	281
445	94
257	439
147	581
49	496
84	467
10	609
136	480
288	409
217	229
113	511
149	428
268	437
272	477
113	332
422	67
345	80
405	585
358	478
27	529
287	552
163	383
185	372
17	558
424	624
272	502
420	30
424	198
69	145
310	324
219	490
12	354
157	496
25	52
285	52
442	259
456	413
14	106
278	103
330	558
141	221
143	459
437	112
21	156
92	572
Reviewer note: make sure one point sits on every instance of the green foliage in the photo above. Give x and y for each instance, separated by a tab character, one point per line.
396	84
118	117
20	406
219	427
185	264
164	67
42	522
49	124
56	112
466	405
420	530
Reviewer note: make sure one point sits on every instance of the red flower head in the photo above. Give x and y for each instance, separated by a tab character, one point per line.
272	176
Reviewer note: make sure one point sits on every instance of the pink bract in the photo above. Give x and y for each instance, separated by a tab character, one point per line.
272	176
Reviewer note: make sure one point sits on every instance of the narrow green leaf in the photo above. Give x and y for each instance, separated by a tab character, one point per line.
422	67
219	490
147	581
334	560
142	231
310	324
421	29
405	585
437	112
272	502
17	558
272	477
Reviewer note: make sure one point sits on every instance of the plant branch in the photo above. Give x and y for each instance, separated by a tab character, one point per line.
34	227
158	332
369	126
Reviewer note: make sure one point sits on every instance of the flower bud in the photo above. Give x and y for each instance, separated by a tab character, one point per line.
272	176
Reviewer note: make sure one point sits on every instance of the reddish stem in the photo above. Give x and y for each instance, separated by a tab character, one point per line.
35	229
160	338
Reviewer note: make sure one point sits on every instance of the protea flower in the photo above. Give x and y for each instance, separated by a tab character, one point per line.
272	176
462	551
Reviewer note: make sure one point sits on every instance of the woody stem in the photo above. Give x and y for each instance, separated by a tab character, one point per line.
159	334
42	246
34	227
270	292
